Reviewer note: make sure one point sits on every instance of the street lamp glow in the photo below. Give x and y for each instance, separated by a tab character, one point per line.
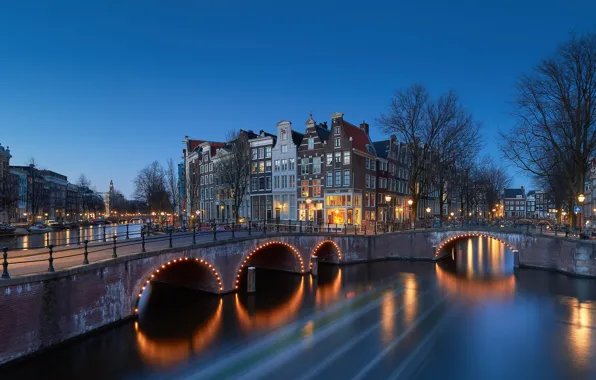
428	210
308	201
581	198
452	213
410	202
388	198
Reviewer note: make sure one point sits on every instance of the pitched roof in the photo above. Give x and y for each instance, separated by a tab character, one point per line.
513	193
360	140
297	138
322	132
382	148
193	144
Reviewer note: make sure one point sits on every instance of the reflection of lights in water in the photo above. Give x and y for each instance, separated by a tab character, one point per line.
475	290
470	252
410	298
308	331
580	330
388	317
329	292
270	318
169	352
480	256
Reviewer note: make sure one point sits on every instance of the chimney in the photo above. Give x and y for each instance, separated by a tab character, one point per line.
364	127
324	125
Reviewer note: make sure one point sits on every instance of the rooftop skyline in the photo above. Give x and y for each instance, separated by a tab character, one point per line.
104	89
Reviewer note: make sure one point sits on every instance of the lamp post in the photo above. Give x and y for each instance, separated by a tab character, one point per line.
580	199
387	200
410	203
428	213
308	202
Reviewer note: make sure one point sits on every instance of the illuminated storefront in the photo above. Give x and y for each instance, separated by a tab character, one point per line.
343	208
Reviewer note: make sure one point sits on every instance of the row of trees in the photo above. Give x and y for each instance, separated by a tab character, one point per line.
442	140
555	133
156	187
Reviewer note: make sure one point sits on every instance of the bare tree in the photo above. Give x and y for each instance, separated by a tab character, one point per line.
556	116
171	179
232	164
150	187
36	189
9	193
435	131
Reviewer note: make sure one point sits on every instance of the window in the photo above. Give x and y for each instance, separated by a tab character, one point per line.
202	193
205	158
316	165
372	215
284	165
337	160
304	188
261	183
367	163
210	179
373	165
255	166
284	134
254	153
276	165
311	143
373	181
276	182
329	182
268	152
316	187
338	178
338	142
372	199
304	166
261	166
255	184
366	200
346	178
268	181
268	166
337	130
329	159
261	153
202	180
284	149
347	158
211	166
292	181
284	182
367	181
201	169
292	164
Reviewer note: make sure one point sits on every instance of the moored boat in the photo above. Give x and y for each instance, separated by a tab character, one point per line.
6	230
39	229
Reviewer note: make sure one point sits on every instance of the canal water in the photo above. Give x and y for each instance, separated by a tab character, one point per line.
514	324
70	236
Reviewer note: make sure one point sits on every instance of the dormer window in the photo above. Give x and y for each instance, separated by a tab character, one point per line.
337	130
284	134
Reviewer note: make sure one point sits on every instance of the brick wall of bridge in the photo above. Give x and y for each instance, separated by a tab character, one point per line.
42	310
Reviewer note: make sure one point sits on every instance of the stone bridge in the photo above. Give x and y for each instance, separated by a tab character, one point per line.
44	309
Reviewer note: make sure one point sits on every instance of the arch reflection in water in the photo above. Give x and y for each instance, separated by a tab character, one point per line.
581	330
328	291
257	312
177	324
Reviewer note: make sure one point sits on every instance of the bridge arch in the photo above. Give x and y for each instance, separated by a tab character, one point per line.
462	235
328	251
211	278
264	255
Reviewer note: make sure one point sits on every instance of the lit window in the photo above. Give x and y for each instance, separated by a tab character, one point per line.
311	143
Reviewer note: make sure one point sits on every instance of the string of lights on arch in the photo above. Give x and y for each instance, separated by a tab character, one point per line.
475	234
294	250
177	261
321	244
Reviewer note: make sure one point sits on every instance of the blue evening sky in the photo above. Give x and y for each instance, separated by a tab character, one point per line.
105	87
